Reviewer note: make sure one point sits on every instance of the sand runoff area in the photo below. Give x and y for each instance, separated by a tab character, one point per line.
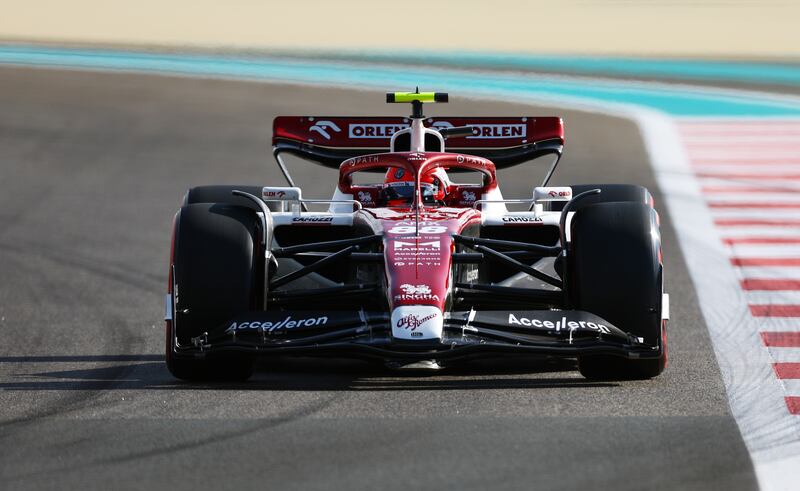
702	28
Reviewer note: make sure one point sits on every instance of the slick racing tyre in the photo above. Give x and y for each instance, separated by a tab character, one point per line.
616	273
215	278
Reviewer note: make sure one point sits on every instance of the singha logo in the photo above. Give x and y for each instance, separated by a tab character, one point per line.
415	289
415	293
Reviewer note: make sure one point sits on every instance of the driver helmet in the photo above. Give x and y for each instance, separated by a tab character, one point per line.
398	186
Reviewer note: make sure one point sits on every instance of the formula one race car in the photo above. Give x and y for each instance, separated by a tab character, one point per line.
410	267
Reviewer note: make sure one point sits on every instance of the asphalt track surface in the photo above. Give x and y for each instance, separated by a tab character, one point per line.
92	169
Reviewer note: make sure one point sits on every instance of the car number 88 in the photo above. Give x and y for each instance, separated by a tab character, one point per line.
429	229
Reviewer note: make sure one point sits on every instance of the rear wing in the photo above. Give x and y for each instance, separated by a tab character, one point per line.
329	140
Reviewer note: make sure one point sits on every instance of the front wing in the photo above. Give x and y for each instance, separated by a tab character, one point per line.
466	334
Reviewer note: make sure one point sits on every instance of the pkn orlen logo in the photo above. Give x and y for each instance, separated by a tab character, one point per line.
323	126
274	194
374	130
492	131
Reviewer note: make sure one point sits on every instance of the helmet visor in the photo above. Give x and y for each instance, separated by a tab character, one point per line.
404	191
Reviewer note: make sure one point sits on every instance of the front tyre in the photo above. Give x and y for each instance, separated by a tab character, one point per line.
214	277
616	273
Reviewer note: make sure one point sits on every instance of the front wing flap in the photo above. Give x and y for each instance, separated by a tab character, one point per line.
466	333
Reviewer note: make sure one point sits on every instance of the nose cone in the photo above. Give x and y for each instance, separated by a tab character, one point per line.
418	267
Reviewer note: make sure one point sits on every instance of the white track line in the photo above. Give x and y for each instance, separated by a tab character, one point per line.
757	140
773	297
756	213
775	324
737	192
739	182
766	172
785	355
757	250
792	386
743	153
759	231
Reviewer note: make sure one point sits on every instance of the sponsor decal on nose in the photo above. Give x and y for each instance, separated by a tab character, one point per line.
417	322
415	293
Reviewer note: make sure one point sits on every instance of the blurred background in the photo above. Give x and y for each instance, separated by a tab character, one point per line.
696	28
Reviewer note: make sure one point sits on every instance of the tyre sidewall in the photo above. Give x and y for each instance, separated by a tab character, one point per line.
214	266
615	266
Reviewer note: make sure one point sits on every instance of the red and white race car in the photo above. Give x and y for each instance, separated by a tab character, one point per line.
417	259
